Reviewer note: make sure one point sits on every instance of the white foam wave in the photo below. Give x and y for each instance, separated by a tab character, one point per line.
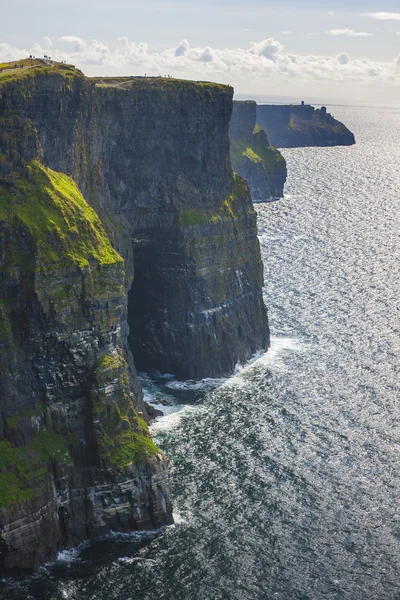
279	346
178	519
68	556
131	535
172	420
271	358
194	385
130	560
173	413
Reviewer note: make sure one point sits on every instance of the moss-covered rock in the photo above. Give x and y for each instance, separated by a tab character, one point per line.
64	228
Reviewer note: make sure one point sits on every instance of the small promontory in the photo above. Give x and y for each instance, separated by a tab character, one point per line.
292	126
253	157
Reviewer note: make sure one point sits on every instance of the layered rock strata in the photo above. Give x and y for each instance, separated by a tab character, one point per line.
303	125
253	157
117	203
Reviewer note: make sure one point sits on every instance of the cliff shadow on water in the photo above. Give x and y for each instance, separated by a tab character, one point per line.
103	183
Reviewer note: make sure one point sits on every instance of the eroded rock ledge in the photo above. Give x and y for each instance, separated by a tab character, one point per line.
117	203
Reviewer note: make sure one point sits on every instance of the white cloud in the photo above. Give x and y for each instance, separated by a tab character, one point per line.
47	42
349	32
9	53
207	55
78	44
287	32
264	63
269	48
343	58
383	16
331	13
182	48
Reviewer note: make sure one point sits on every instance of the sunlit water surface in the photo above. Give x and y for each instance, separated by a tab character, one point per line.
286	477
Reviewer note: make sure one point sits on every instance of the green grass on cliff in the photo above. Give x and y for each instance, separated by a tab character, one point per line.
13	476
22	470
258	151
196	216
165	84
227	210
48	444
123	435
12	422
63	226
28	69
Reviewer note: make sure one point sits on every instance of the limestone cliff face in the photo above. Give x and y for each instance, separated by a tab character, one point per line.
105	183
195	307
253	157
303	125
76	458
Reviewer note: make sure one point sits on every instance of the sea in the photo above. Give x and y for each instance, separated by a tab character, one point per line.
285	476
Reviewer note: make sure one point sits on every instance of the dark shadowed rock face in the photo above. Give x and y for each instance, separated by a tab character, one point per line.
156	198
253	157
303	125
195	308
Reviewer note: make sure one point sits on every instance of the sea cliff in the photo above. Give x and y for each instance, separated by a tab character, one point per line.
253	157
125	240
295	126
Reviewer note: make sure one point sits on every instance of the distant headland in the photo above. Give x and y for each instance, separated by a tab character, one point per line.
291	126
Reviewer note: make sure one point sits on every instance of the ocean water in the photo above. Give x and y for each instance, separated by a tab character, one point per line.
286	477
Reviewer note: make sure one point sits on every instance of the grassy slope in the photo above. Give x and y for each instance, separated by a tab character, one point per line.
64	227
256	152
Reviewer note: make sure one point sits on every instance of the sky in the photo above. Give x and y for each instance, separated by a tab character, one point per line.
322	51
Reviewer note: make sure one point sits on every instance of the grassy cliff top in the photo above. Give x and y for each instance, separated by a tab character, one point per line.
30	68
160	83
249	102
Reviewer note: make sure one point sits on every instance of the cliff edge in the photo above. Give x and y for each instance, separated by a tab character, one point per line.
253	157
125	238
303	125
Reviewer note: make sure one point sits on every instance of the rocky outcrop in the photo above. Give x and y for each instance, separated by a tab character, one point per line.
117	204
253	158
303	125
